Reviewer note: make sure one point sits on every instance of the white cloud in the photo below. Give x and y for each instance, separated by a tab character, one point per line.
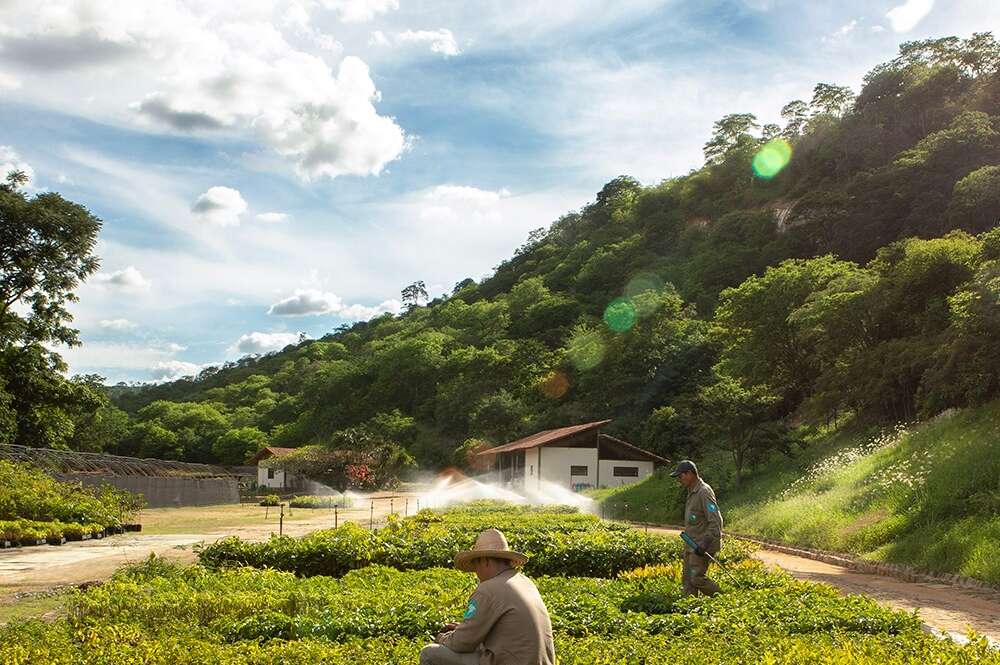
220	206
298	17
363	313
305	302
117	324
129	280
11	161
440	41
906	16
171	370
10	82
877	28
454	203
845	29
466	194
360	11
272	217
197	67
174	347
259	342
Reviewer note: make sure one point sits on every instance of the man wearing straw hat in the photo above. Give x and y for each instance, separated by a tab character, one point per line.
505	623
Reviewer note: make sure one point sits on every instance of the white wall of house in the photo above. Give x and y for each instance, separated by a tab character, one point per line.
277	482
609	479
531	476
556	464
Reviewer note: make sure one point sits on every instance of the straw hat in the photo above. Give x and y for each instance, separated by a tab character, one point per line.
490	543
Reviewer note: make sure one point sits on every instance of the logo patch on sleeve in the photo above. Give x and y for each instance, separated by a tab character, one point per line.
470	611
712	508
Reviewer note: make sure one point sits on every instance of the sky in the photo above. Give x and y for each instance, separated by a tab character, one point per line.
271	168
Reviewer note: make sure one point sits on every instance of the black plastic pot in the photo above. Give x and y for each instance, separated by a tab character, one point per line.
132	527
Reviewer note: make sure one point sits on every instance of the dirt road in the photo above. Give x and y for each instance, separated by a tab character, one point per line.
943	608
33	569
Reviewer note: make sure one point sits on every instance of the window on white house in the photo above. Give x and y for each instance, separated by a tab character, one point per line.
626	472
579	471
270	473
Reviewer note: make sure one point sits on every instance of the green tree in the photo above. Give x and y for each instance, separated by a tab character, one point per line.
727	133
741	420
46	250
238	445
414	294
795	114
831	99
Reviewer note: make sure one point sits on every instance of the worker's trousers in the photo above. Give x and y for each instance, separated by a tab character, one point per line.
439	654
695	576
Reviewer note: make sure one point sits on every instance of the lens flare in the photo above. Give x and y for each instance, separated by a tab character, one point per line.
554	385
642	291
586	350
620	315
770	159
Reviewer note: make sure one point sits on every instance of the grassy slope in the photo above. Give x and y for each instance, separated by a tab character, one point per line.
927	496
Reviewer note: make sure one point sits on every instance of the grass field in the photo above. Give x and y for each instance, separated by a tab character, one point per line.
926	495
207	519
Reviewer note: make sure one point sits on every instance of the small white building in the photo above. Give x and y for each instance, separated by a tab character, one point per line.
578	457
274	477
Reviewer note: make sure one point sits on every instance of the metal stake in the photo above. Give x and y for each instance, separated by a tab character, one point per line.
281	521
371	517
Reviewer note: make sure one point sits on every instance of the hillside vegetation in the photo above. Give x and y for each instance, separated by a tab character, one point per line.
844	262
926	495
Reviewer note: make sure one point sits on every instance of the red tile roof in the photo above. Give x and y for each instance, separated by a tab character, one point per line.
270	451
543	438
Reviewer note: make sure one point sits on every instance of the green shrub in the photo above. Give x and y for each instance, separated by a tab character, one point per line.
557	543
29	493
270	500
318	502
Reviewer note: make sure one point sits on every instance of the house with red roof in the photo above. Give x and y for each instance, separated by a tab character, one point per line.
578	457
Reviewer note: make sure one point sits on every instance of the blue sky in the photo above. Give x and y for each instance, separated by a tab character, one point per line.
271	167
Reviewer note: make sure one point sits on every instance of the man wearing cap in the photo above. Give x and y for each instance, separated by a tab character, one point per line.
703	522
505	623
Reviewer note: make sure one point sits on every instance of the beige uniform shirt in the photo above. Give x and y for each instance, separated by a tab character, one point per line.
507	621
702	517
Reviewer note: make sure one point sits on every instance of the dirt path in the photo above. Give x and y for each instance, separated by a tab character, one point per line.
943	609
35	569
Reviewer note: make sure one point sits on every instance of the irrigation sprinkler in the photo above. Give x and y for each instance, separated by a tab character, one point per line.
406	508
646	523
418	504
392	509
371	517
281	520
335	516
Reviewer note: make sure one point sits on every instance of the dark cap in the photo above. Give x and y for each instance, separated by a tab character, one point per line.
682	466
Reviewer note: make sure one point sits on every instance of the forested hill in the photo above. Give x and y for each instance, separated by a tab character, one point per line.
861	276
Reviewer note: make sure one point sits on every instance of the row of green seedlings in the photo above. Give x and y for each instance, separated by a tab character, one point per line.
310	501
21	533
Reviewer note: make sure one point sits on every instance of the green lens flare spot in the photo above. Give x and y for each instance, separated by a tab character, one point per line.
620	315
772	158
586	350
